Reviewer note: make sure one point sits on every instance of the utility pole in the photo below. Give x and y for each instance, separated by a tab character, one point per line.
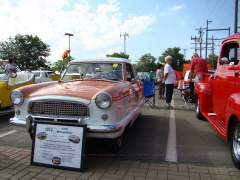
236	17
200	40
208	22
124	35
185	53
195	39
212	53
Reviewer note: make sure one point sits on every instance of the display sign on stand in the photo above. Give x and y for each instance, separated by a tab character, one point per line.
59	145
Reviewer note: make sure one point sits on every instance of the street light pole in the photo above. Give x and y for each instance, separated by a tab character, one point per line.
69	34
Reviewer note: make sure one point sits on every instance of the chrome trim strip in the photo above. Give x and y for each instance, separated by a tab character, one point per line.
57	101
91	129
17	123
60	118
105	128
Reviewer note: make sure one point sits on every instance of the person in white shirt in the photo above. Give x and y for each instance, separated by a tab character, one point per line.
10	68
169	79
159	75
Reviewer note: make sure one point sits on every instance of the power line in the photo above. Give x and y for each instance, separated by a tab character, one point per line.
213	9
202	14
219	9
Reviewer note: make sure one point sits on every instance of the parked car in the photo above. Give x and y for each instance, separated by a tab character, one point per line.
145	75
45	76
218	96
102	93
7	84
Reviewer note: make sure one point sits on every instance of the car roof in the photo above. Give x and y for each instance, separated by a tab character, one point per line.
108	59
234	36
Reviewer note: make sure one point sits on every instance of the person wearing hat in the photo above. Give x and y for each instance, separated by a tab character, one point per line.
169	79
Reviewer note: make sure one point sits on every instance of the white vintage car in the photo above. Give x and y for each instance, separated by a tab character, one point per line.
45	76
102	93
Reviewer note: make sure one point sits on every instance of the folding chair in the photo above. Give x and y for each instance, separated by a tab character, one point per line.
188	96
149	92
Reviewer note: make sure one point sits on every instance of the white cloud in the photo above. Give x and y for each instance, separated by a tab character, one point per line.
94	27
115	49
185	21
176	8
158	7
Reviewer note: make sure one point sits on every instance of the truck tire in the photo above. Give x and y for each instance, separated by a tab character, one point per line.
235	143
114	144
198	110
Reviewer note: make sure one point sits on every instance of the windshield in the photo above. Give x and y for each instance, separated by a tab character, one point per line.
107	71
36	74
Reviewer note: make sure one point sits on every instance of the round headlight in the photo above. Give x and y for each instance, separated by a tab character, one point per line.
104	100
16	97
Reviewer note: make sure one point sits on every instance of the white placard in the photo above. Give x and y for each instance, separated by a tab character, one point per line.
58	145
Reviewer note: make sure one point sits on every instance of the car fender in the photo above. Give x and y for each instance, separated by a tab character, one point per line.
204	92
233	110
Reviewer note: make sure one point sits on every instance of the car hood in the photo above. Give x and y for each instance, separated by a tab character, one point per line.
80	89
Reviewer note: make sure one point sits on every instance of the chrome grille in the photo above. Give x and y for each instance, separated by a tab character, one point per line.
59	109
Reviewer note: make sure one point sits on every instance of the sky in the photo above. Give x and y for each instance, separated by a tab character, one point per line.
152	25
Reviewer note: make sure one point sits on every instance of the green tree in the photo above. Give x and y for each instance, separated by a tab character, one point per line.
178	58
120	55
146	63
57	66
212	59
27	50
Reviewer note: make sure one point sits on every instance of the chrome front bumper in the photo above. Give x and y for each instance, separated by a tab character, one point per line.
29	123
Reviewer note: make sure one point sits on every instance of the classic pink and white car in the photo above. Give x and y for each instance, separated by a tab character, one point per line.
102	93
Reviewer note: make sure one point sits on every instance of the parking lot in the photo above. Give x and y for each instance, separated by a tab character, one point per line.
163	144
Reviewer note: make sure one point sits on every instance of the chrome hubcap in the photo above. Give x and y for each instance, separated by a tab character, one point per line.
236	141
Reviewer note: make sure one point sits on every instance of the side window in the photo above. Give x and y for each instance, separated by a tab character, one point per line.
130	72
230	54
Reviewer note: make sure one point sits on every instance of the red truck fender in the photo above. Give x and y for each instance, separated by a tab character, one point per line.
232	111
204	92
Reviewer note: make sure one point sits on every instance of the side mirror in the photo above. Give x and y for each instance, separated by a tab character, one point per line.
224	61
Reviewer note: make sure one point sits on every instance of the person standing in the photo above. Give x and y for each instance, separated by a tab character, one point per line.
169	79
10	68
160	75
198	67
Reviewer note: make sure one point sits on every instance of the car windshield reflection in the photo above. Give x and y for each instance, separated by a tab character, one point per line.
105	71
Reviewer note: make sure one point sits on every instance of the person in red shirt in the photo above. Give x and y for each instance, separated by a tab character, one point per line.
198	67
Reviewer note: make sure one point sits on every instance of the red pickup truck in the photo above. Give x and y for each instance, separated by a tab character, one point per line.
217	96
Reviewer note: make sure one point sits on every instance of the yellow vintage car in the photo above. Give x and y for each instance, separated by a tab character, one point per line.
7	84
